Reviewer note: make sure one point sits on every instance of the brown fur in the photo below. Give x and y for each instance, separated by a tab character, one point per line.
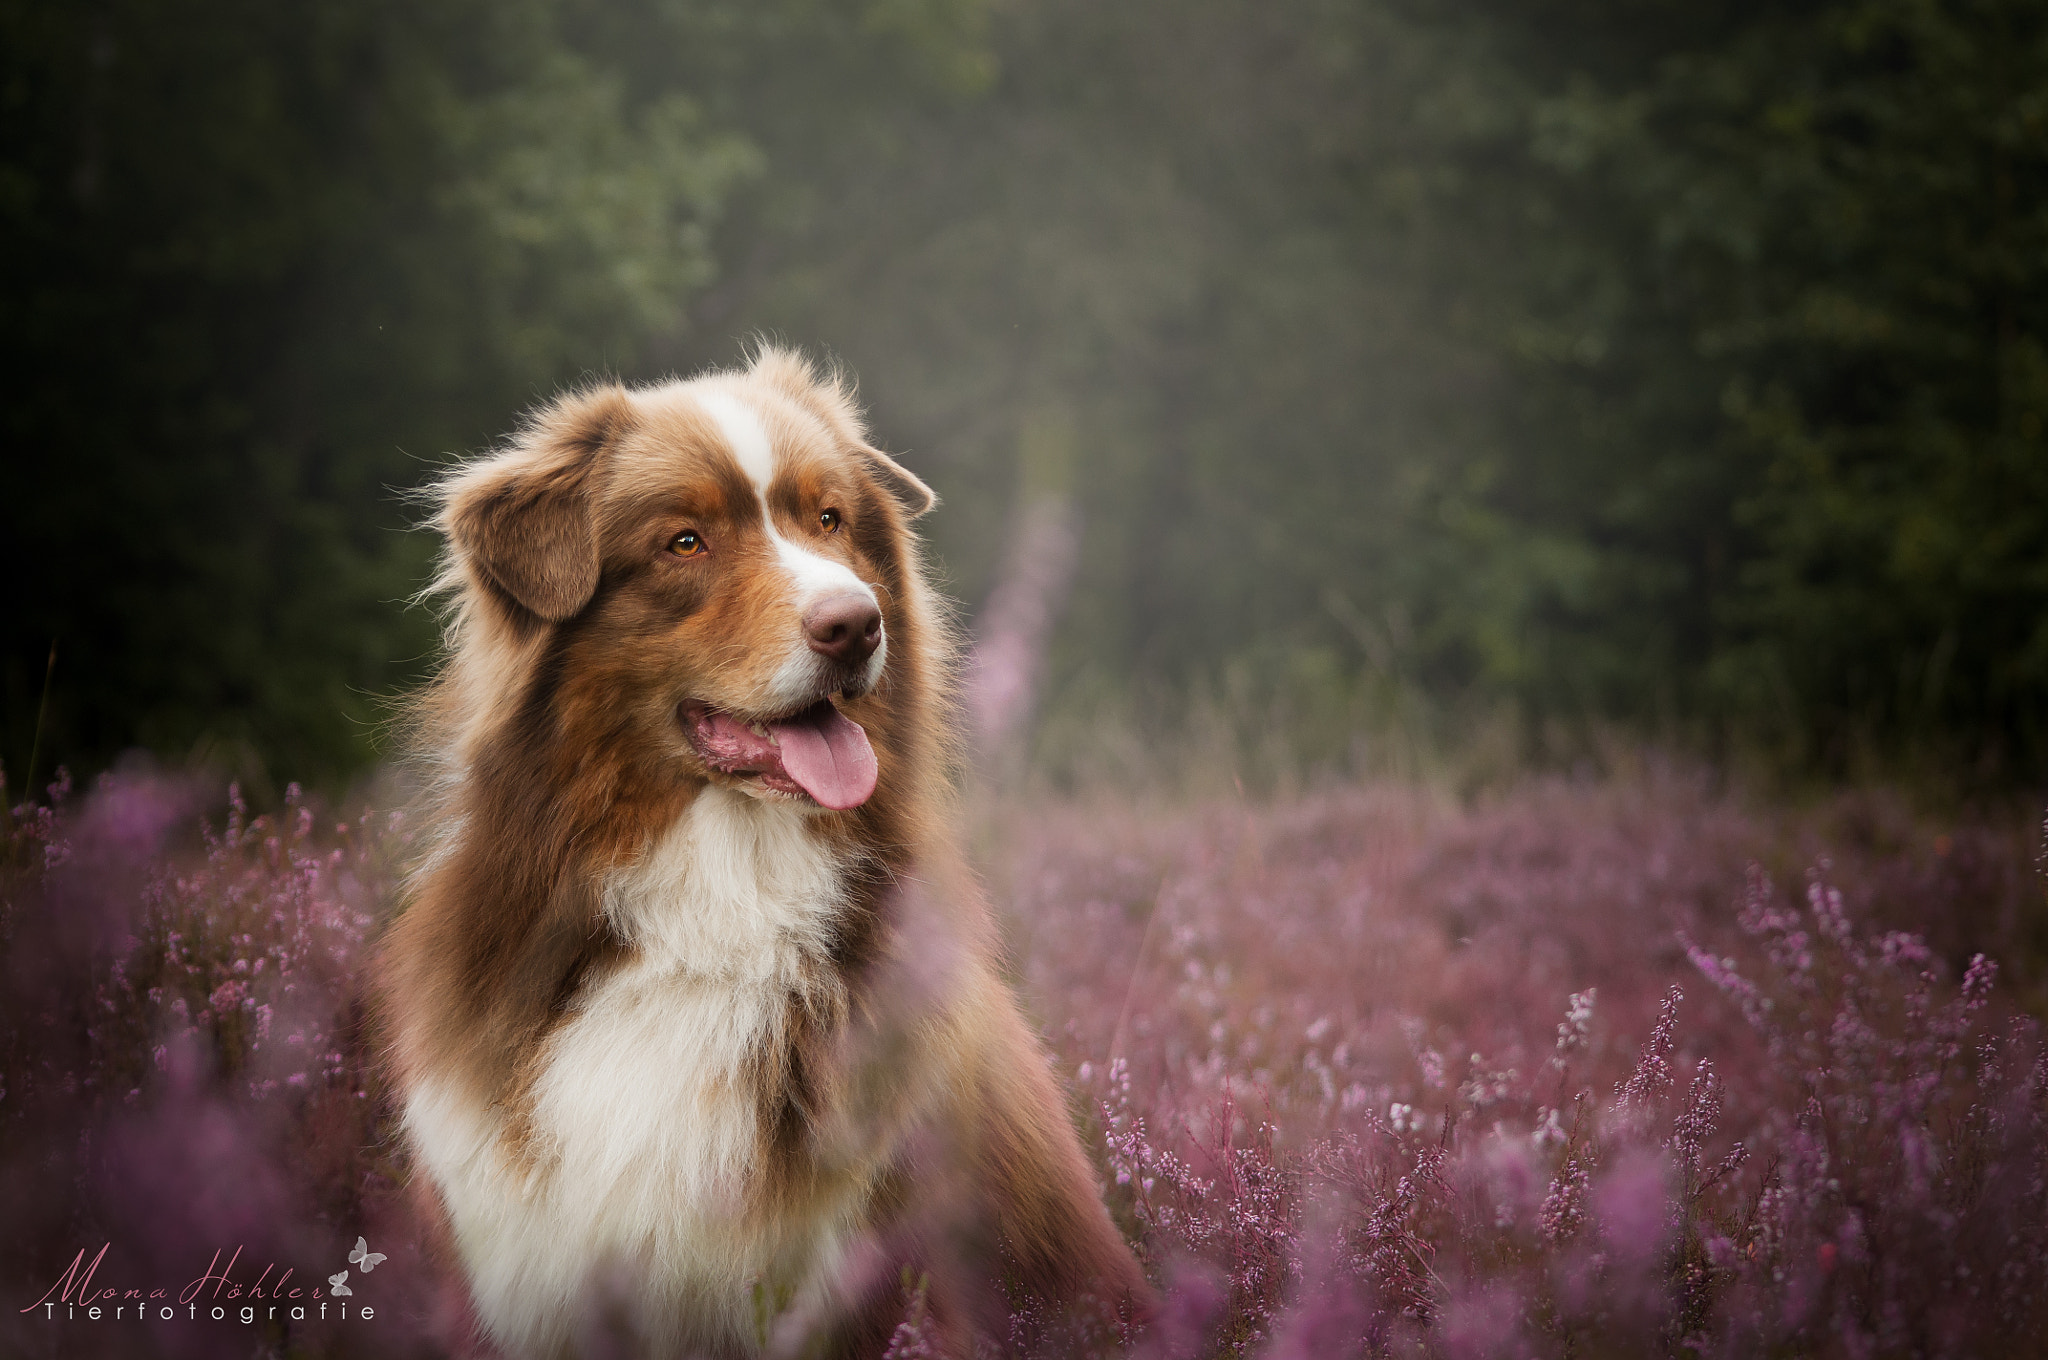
550	746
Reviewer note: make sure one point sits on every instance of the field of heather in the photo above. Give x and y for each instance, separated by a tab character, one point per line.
1626	1068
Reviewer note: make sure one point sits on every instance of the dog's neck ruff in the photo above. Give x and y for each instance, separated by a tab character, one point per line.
644	1119
739	890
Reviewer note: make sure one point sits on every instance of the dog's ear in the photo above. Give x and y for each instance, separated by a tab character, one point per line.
523	518
915	497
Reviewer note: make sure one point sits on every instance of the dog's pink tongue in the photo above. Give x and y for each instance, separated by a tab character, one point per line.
828	754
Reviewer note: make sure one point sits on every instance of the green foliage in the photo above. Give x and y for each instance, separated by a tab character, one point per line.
1773	320
1678	365
266	264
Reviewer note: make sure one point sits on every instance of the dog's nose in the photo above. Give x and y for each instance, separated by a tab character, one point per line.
844	627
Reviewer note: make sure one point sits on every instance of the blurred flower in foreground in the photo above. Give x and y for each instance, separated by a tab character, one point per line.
1371	1077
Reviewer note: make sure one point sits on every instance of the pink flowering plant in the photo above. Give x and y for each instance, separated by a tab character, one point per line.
187	1067
1568	1072
1334	1102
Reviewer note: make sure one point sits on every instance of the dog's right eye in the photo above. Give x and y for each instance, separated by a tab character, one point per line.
687	544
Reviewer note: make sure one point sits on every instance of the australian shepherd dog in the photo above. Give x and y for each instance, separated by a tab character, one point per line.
696	1018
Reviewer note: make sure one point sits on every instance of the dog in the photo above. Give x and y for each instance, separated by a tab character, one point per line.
695	1016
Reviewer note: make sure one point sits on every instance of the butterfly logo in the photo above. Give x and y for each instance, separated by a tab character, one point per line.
364	1257
338	1285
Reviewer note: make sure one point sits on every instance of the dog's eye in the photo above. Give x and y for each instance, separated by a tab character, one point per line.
687	544
828	520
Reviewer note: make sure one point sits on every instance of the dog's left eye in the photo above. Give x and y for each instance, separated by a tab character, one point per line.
828	520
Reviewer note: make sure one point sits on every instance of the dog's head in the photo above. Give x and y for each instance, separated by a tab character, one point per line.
715	572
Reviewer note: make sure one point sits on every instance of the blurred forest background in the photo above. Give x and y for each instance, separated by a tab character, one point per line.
1610	365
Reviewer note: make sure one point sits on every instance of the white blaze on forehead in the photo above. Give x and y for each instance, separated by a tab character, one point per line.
744	435
812	577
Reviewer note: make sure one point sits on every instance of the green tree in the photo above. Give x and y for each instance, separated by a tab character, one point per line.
1771	321
266	264
1676	364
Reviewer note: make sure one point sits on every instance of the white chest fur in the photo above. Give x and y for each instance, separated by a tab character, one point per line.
644	1126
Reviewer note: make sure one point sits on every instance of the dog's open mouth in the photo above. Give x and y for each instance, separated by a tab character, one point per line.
819	752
